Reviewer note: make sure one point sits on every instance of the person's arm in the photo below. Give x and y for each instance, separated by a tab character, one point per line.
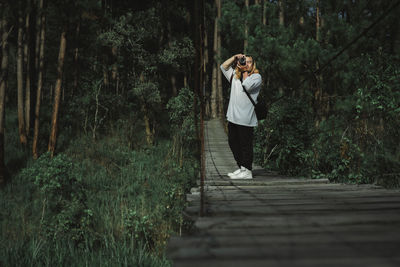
226	67
229	61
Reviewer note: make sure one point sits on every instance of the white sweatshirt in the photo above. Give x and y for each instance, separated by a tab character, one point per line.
240	109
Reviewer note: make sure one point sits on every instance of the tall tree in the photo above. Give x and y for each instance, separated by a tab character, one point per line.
318	94
20	77
3	86
150	130
219	74
57	92
27	62
264	12
76	57
41	43
216	82
281	5
172	75
246	27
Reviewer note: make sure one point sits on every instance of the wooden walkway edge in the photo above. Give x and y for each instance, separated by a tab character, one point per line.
274	220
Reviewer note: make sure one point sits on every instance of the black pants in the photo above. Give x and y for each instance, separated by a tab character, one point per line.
240	140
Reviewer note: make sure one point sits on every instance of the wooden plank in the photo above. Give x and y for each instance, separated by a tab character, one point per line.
380	250
295	220
218	182
307	204
366	261
282	189
290	199
283	230
375	210
299	239
286	185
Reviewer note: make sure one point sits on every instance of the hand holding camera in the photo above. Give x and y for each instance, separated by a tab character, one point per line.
240	62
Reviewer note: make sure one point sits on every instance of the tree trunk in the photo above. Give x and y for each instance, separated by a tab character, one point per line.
214	81
281	23
27	62
220	96
146	118
20	79
317	23
42	35
57	93
173	84
264	12
105	75
114	68
149	132
173	77
281	4
3	85
258	4
76	59
40	10
318	95
246	28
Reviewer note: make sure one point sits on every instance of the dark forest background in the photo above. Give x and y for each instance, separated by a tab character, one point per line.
101	104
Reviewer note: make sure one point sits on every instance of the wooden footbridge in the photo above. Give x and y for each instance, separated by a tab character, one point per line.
274	220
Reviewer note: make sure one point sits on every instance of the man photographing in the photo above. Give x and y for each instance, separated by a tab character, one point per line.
242	73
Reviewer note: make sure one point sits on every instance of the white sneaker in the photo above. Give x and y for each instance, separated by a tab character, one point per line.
235	172
244	174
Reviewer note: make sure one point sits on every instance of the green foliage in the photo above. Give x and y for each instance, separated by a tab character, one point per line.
357	144
63	197
181	114
282	141
147	91
179	55
360	143
99	202
139	227
102	204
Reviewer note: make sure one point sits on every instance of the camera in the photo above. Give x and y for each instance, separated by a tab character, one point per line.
242	61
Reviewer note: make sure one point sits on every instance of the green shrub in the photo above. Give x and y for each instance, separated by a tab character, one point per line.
283	140
62	196
359	143
139	227
181	114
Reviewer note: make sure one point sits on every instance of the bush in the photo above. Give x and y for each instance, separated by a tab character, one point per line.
359	143
62	194
181	113
283	140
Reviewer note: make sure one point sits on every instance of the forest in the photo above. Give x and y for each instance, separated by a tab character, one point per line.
102	104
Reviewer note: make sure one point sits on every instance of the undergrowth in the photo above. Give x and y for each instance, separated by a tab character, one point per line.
99	203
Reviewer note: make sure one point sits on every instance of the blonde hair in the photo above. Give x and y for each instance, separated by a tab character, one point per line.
254	69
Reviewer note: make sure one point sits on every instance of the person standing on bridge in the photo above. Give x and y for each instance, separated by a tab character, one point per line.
241	72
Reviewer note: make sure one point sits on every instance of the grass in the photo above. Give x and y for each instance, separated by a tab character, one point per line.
132	203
